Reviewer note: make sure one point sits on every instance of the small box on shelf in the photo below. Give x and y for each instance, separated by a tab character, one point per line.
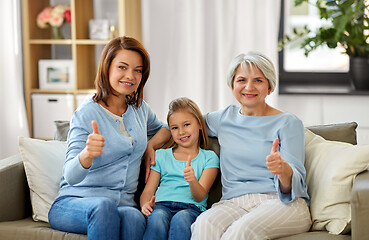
47	108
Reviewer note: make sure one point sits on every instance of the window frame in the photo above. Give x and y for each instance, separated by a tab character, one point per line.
312	79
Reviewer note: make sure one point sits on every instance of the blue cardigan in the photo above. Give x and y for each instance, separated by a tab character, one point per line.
114	174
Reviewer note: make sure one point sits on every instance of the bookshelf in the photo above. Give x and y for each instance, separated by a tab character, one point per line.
37	44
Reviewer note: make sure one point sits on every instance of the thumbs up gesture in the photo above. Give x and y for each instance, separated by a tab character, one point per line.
188	171
274	160
94	146
278	166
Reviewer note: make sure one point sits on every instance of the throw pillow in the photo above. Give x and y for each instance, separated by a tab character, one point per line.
343	132
43	163
331	168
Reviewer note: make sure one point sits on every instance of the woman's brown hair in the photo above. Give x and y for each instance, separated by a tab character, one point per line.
103	88
186	104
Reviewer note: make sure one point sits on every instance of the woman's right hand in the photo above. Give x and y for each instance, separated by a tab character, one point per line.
278	166
148	207
94	146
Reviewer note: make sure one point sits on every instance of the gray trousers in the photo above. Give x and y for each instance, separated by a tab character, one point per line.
252	216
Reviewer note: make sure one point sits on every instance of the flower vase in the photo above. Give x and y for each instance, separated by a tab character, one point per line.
56	33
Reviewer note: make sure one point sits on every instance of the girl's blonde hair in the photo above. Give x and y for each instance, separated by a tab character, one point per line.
186	104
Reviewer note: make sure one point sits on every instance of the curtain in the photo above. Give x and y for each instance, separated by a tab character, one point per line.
191	43
13	122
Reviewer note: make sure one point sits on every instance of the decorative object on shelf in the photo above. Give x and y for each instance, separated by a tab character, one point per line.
56	33
56	74
99	29
54	16
113	32
348	27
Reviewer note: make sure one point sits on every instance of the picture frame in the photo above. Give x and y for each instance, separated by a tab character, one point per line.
56	74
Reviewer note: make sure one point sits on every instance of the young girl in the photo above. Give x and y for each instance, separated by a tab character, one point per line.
177	188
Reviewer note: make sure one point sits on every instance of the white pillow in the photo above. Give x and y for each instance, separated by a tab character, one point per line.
331	168
43	164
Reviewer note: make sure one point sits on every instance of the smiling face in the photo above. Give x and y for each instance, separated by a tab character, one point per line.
185	129
125	72
250	87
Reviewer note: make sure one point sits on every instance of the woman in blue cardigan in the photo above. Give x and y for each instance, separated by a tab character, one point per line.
264	195
106	141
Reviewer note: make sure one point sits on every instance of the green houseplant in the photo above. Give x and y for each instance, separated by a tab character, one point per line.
349	28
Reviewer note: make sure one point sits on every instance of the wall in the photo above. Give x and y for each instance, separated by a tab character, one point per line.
327	109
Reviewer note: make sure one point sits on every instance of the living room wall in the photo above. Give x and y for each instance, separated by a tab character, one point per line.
330	109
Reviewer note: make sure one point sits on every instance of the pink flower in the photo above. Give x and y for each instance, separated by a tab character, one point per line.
56	21
44	17
45	14
53	16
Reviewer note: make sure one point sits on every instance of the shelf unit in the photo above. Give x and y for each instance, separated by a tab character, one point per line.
37	44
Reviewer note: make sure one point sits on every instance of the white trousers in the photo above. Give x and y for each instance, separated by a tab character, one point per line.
252	216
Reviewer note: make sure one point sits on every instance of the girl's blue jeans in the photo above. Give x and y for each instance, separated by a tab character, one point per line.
98	217
171	220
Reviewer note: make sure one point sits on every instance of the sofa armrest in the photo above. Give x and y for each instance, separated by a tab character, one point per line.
360	207
13	189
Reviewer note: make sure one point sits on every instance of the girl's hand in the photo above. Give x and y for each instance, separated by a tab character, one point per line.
148	207
278	166
188	172
94	146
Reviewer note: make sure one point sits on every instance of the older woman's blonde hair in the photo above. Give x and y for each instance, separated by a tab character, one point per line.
253	59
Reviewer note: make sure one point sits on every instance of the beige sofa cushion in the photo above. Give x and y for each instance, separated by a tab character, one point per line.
43	164
331	167
31	230
12	189
342	132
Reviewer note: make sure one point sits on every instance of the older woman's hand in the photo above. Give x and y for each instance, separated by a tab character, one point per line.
278	166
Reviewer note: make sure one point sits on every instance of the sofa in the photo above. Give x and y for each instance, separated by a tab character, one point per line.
16	221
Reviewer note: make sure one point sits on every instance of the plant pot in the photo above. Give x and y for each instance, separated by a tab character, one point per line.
359	72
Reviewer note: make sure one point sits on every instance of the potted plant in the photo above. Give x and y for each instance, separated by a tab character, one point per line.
349	28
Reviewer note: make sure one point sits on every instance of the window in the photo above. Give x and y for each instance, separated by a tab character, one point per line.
325	70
